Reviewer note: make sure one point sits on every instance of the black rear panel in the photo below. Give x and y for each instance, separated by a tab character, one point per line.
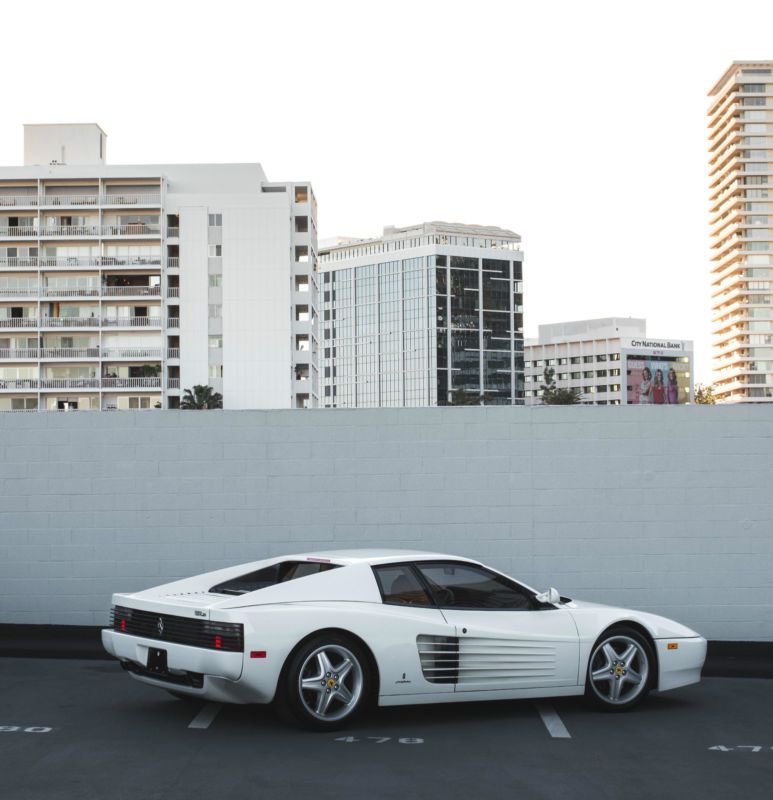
225	636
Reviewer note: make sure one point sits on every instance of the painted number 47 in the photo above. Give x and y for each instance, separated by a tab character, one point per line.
380	739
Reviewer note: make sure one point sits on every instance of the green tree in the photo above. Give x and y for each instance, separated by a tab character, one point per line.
461	397
551	396
704	395
201	397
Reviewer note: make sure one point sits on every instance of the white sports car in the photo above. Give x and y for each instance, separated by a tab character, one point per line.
324	634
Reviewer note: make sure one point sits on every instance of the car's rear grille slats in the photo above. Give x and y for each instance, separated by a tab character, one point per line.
226	636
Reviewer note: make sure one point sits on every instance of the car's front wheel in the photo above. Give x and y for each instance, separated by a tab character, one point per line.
620	669
327	683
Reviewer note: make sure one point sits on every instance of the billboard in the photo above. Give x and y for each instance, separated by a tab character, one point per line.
657	379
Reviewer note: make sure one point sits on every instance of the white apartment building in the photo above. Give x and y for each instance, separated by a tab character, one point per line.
609	361
740	123
430	314
120	286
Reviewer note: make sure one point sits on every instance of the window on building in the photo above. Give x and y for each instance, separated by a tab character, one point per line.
574	360
139	402
215	311
301	283
614	356
301	224
601	373
302	314
601	358
215	250
215	220
215	280
302	254
587	359
302	342
215	370
301	194
216	342
588	373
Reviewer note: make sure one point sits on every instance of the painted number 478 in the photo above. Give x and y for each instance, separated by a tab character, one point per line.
380	739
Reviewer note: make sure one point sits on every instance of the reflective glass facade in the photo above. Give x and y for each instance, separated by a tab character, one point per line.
434	329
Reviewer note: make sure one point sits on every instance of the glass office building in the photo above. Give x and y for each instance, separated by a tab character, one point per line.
426	315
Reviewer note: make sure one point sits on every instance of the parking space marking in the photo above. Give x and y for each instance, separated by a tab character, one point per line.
553	722
205	717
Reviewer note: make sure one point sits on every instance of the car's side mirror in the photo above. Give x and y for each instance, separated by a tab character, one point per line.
552	595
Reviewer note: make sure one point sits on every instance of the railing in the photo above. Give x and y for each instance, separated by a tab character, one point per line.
173	262
173	232
47	291
18	200
132	352
69	322
68	200
172	383
19	383
10	231
69	383
19	410
131	383
140	229
172	291
19	322
124	291
173	322
130	199
133	322
59	231
69	352
173	352
30	290
83	261
6	352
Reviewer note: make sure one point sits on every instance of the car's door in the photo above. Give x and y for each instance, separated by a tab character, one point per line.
407	617
505	639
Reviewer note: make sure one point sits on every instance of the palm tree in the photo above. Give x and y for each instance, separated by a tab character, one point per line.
551	396
201	397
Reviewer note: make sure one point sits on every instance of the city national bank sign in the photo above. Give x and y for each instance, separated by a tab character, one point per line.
657	371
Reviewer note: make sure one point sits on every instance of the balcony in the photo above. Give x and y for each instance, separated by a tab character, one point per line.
19	201
69	200
173	322
172	233
172	383
79	262
15	231
19	383
69	352
135	353
132	322
19	322
131	383
140	229
131	291
172	291
47	291
69	383
130	200
173	352
69	322
23	353
173	262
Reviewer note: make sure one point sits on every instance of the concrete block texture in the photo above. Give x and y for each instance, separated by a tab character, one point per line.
658	508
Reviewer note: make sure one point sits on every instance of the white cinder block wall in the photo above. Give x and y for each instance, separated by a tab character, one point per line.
665	509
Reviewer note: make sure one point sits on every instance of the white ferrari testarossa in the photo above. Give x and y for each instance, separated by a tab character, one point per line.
324	634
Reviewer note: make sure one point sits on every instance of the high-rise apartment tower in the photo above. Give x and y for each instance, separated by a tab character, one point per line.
741	218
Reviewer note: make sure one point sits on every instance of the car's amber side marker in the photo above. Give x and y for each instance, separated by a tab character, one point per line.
673	645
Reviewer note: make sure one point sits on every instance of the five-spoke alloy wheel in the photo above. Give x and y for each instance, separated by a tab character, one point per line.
327	682
620	669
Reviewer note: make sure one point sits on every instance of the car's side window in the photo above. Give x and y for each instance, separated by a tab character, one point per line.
398	584
456	585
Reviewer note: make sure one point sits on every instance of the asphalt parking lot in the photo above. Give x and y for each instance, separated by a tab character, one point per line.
85	729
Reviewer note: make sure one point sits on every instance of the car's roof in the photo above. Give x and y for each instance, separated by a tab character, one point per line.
372	555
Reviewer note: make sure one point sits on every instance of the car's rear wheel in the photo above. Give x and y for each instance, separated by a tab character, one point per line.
620	669
327	683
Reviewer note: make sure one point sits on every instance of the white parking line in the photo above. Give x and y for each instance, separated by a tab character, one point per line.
553	723
205	717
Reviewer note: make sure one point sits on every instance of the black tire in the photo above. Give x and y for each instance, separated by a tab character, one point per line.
633	657
343	690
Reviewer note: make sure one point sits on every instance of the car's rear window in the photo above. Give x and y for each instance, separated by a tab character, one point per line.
270	576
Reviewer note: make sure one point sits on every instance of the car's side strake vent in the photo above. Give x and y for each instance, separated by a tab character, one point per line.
226	636
439	657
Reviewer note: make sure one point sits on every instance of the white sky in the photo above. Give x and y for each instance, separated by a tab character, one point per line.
579	125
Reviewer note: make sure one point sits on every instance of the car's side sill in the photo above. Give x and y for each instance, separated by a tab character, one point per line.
472	696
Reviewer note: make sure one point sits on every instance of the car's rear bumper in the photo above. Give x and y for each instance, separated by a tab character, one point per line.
181	659
680	665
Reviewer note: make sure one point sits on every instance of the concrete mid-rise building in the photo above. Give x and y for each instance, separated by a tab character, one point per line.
609	361
740	123
120	286
426	315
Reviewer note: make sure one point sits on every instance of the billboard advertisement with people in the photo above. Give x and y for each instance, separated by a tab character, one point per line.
658	380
